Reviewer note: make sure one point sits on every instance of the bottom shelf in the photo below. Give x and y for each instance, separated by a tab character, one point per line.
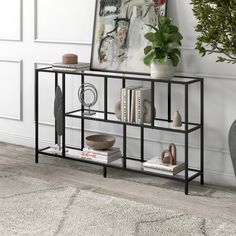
131	164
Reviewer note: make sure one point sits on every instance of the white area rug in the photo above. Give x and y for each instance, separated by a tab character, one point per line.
31	207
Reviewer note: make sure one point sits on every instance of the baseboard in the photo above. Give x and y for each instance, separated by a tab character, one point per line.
211	176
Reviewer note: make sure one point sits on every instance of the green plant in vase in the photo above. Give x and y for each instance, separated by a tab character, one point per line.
163	54
217	34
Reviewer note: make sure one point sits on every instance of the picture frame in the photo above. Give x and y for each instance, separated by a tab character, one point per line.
118	34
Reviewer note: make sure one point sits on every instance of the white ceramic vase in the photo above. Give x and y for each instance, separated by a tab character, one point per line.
162	71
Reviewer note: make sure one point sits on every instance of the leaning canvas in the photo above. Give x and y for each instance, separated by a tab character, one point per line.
118	37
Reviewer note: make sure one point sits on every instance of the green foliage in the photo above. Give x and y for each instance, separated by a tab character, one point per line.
163	42
217	28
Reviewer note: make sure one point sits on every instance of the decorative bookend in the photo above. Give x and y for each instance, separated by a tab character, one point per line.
169	156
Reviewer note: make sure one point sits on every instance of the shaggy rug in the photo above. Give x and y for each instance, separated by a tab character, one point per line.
29	206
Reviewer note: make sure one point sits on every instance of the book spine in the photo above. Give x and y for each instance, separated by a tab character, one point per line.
99	158
133	106
102	153
124	105
138	107
73	66
163	167
159	171
128	105
64	69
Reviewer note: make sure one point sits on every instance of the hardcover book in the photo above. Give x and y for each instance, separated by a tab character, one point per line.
141	95
156	163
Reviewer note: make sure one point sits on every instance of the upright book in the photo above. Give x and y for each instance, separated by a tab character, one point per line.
141	94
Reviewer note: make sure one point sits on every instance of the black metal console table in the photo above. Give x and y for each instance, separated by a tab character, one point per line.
107	116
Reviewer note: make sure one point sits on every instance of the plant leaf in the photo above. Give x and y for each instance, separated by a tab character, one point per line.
150	37
147	49
149	58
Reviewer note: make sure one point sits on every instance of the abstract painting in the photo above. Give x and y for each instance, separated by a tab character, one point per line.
119	29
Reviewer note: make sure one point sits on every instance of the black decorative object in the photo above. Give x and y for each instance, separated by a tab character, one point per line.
91	92
58	115
232	144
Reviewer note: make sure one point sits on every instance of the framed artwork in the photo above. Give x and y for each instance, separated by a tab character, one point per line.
118	37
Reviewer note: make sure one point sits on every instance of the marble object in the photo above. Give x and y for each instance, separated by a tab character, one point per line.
177	119
232	145
169	156
100	141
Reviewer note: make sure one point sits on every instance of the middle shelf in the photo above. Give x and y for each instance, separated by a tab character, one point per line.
159	124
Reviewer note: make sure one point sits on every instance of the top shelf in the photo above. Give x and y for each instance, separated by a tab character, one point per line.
142	77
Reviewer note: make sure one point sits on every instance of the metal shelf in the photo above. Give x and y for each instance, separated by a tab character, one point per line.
126	162
131	165
159	124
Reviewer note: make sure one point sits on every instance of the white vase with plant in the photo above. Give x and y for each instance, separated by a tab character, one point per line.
163	55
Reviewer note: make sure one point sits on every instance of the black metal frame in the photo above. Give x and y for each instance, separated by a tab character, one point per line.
74	114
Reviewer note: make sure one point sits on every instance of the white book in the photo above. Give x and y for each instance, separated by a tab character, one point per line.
128	105
129	90
132	115
107	152
73	66
64	69
123	105
141	95
160	171
100	158
156	163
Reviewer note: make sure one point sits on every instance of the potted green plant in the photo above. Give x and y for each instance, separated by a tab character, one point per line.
217	34
163	54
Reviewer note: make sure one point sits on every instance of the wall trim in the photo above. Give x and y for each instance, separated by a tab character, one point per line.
20	117
20	37
38	40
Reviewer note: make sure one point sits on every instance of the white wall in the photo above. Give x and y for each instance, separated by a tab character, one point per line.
40	31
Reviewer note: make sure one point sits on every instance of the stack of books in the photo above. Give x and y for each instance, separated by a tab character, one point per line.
71	67
132	103
155	165
104	156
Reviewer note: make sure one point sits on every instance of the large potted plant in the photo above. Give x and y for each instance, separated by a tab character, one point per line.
163	54
217	34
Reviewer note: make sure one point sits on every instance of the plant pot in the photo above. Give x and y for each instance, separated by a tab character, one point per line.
162	71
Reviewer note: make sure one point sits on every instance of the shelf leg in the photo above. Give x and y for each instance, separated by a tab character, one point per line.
202	133
124	145
104	171
63	115
142	144
186	139
105	98
124	134
56	84
36	105
169	102
82	120
152	103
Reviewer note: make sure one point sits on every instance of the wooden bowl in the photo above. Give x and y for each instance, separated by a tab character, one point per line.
100	141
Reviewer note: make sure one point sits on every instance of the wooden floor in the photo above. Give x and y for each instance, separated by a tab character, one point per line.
207	201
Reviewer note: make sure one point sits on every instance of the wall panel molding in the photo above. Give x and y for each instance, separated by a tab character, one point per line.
20	25
20	99
52	41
